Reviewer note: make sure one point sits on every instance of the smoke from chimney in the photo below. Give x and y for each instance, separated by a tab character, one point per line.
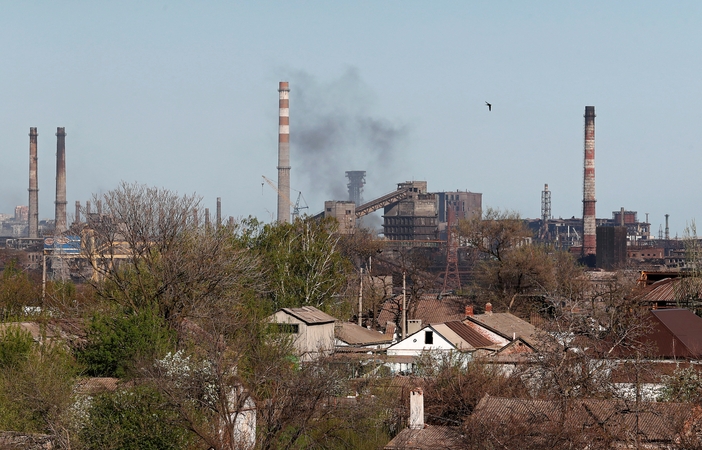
335	130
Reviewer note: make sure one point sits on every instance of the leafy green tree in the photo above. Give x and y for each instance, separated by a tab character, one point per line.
304	263
16	291
135	418
15	345
36	391
118	343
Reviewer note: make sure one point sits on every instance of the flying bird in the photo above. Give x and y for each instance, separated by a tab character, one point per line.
489	105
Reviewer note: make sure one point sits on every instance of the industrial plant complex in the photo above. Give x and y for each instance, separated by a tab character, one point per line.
412	215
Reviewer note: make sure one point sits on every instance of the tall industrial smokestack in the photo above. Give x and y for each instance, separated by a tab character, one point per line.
76	220
60	217
33	185
219	211
589	222
284	152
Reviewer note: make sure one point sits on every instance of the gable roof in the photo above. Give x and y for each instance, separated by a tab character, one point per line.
354	334
427	308
310	315
677	333
469	335
506	325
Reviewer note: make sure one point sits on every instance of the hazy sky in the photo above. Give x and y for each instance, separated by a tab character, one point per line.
183	95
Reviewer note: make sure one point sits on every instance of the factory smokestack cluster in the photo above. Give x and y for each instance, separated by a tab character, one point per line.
284	152
589	221
33	185
60	218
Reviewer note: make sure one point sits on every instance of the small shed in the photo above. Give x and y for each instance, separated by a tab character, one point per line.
312	330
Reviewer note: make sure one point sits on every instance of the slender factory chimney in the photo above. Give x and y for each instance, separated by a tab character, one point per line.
589	222
77	217
60	216
33	185
284	152
219	212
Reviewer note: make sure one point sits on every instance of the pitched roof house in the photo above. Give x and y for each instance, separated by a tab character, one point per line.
311	329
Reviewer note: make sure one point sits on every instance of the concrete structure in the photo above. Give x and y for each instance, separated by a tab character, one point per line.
466	205
33	185
284	152
312	330
611	248
414	217
219	212
60	214
589	222
357	179
343	212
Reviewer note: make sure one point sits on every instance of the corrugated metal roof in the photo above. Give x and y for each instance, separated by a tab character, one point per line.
655	422
508	325
353	334
310	315
678	325
469	335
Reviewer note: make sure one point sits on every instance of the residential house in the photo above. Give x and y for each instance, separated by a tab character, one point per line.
312	330
580	423
438	339
420	436
348	335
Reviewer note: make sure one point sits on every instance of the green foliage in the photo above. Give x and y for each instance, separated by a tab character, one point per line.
684	385
15	344
116	344
16	292
36	392
136	418
304	260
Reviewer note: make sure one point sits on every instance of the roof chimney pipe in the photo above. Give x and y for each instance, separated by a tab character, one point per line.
33	185
416	419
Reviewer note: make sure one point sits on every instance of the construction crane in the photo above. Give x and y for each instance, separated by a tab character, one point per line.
296	207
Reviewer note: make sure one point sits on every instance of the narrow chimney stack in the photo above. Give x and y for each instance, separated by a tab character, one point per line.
284	152
33	185
469	311
207	217
589	221
416	419
60	214
77	217
219	211
488	308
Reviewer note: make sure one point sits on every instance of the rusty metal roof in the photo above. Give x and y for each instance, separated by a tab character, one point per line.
469	335
354	334
310	315
677	333
508	325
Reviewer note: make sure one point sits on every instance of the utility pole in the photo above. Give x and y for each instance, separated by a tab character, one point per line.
360	301
404	307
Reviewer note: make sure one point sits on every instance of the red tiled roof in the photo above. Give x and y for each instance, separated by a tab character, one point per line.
654	422
430	437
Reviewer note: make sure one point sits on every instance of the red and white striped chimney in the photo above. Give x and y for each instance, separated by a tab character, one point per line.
589	221
284	152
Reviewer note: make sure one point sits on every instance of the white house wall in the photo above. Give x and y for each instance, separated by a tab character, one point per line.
414	344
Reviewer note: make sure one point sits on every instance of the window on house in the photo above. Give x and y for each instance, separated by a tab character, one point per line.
428	337
291	328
